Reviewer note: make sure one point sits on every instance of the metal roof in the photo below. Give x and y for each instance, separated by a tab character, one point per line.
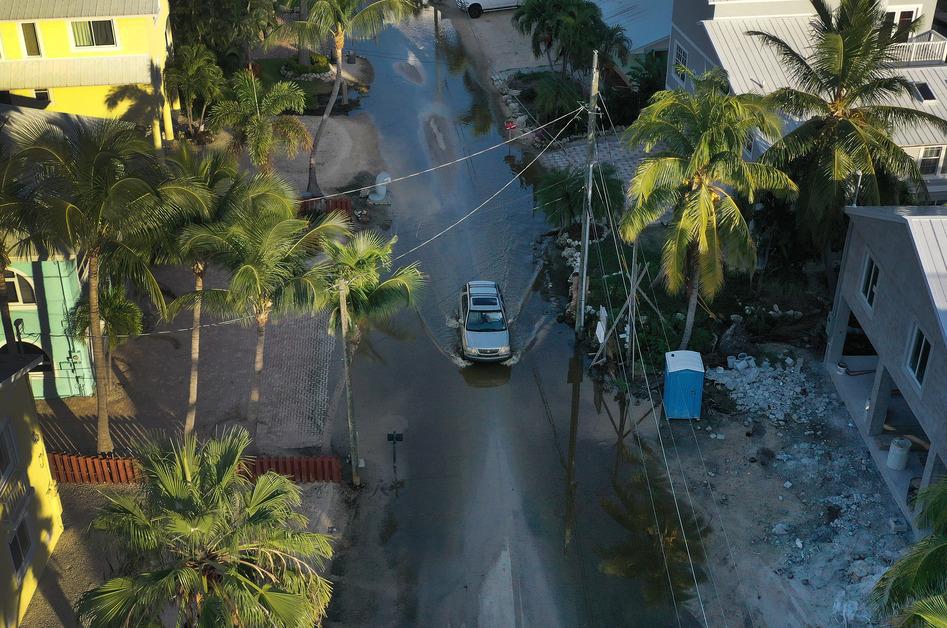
684	361
14	366
647	23
52	9
80	72
754	67
927	226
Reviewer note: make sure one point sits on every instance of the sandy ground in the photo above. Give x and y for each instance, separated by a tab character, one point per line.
499	45
797	508
79	562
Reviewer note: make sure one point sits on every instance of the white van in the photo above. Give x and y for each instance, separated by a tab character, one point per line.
475	8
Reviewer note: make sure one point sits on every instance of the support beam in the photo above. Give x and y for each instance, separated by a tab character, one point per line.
167	120
836	330
877	409
934	470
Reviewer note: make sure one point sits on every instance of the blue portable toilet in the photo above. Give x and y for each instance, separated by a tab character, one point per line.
683	384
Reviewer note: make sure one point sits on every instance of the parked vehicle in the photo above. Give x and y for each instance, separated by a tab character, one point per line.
485	336
475	8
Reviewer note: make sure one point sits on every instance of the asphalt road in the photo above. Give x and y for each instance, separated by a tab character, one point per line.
516	503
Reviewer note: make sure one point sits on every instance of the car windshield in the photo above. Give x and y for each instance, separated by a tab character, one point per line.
485	321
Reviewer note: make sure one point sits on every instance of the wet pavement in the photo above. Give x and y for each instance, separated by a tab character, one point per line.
519	497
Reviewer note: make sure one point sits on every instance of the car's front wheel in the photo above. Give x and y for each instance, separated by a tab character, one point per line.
475	10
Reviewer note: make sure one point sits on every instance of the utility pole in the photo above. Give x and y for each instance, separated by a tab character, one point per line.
587	210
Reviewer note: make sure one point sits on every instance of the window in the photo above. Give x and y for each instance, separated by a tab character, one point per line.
899	18
20	546
93	33
870	281
41	95
930	160
19	289
680	58
7	454
924	92
748	147
919	355
30	39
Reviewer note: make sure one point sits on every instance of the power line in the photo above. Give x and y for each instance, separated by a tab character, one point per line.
492	196
458	160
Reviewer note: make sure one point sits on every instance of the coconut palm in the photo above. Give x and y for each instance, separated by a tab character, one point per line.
121	319
254	114
556	95
540	19
203	545
842	91
104	195
561	194
341	19
696	176
218	173
194	74
914	589
268	254
15	233
356	295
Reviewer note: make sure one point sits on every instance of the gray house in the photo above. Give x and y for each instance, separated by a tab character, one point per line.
887	338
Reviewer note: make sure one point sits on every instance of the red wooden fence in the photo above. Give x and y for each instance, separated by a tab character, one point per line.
75	469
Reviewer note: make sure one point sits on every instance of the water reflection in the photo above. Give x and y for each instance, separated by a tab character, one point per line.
653	551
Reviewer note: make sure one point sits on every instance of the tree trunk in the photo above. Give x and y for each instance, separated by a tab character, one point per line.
103	438
313	185
349	400
9	333
191	418
189	110
203	115
303	50
253	412
692	292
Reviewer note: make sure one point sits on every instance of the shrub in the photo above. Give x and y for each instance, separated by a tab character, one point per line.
320	63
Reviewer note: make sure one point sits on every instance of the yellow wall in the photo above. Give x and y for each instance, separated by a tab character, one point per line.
42	509
138	35
95	101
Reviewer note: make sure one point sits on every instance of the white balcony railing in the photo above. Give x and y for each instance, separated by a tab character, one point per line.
928	48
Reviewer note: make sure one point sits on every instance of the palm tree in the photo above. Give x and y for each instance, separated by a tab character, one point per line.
268	254
354	291
338	19
540	19
193	72
203	544
255	115
15	233
561	194
556	95
842	93
105	196
121	319
914	589
695	177
217	172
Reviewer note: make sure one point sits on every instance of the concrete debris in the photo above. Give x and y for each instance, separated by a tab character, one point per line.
787	484
780	529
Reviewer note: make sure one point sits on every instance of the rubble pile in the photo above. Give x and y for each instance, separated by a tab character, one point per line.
781	392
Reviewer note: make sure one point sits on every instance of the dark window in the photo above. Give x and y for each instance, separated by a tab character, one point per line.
930	159
7	456
19	289
20	546
920	354
30	39
93	33
924	92
870	281
680	58
484	301
41	94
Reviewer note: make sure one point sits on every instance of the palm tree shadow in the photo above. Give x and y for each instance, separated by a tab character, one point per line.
137	103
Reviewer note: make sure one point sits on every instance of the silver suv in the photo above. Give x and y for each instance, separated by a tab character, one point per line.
484	336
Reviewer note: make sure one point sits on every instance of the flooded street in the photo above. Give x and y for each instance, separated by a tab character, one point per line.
518	496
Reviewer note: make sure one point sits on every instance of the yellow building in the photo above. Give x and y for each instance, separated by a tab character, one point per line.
30	510
101	58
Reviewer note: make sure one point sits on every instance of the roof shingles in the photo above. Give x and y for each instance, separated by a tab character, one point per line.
52	9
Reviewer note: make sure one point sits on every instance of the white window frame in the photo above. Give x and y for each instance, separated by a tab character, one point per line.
749	146
39	39
6	435
16	284
72	37
678	48
941	163
912	339
49	99
30	551
870	266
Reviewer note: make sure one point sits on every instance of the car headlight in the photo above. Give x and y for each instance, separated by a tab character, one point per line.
505	349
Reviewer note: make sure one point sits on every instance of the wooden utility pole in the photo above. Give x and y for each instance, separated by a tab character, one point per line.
587	210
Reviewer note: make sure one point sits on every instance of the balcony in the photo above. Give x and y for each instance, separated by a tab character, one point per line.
14	493
928	48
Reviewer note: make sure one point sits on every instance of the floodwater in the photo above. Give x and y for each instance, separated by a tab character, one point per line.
521	498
